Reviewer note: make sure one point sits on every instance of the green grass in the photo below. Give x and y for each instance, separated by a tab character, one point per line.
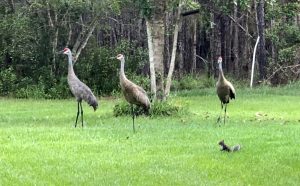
40	146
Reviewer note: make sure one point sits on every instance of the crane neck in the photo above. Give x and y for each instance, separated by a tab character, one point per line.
122	73
70	64
221	74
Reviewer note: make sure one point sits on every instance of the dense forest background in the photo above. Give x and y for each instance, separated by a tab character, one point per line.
32	31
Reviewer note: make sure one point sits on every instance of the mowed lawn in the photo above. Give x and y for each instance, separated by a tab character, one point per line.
40	146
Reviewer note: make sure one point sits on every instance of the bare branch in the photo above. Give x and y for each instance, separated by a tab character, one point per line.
12	5
292	67
49	15
69	35
87	37
204	60
241	27
191	12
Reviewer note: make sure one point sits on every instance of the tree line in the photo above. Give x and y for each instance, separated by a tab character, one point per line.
161	39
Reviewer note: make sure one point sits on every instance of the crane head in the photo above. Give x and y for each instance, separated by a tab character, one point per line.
220	59
120	56
66	51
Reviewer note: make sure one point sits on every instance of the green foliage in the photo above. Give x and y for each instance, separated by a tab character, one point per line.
7	82
144	6
164	108
158	108
189	82
31	91
287	39
287	55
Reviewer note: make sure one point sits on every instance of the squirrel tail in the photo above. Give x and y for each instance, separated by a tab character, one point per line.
236	148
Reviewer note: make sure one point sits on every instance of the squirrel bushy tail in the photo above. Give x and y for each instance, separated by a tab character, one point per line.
225	147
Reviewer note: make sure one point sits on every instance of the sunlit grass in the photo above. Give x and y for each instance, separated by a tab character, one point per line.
39	144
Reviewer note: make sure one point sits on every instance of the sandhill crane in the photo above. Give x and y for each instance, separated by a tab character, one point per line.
225	89
80	90
134	94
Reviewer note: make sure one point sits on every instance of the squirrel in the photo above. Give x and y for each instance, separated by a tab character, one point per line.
224	147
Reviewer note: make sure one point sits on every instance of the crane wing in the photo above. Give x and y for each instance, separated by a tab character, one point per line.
135	94
232	90
82	92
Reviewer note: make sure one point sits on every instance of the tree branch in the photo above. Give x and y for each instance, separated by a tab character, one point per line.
49	15
86	39
282	68
241	27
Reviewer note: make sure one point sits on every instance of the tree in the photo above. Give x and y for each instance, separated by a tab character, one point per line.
174	48
262	59
156	38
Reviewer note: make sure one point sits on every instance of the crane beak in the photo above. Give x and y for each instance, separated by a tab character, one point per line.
60	52
112	58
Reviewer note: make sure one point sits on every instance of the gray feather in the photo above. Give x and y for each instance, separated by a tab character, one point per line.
81	91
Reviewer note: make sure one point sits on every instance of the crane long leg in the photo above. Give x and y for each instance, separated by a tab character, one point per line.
219	118
225	113
77	114
132	112
81	114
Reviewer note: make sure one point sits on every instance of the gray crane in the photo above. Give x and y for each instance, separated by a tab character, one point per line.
134	94
225	90
80	90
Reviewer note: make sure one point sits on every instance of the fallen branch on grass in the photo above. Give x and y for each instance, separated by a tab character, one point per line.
291	67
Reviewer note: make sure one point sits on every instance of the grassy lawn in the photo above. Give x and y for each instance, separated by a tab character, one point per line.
39	144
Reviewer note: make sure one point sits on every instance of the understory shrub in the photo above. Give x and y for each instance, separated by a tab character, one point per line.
158	108
189	82
31	91
7	81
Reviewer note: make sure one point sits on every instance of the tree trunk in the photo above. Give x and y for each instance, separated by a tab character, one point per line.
168	27
262	60
173	56
156	27
236	41
216	42
229	65
181	51
211	46
194	45
151	61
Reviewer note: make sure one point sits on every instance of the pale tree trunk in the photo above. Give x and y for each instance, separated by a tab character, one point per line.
173	56
151	61
156	26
